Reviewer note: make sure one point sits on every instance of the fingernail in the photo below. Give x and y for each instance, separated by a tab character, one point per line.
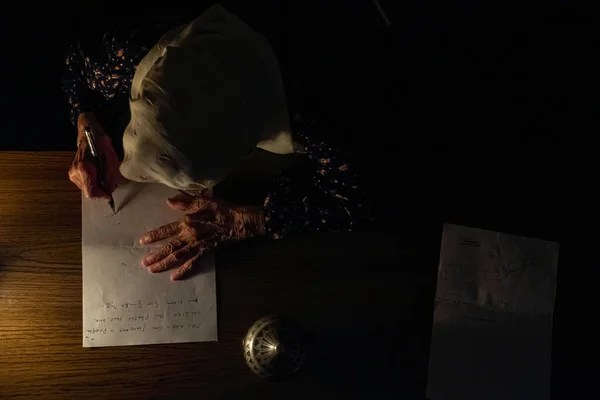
147	261
143	240
173	203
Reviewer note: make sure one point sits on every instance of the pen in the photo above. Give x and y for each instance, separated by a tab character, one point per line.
99	164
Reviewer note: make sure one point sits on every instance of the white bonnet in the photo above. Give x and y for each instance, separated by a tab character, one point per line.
200	101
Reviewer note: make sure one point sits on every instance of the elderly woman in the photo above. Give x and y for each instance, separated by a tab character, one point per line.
202	97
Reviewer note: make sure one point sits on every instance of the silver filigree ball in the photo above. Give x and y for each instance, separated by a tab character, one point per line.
274	347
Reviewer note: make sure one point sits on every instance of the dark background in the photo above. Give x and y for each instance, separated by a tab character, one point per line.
459	112
454	98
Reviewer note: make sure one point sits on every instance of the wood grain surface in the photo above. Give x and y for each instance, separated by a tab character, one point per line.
362	298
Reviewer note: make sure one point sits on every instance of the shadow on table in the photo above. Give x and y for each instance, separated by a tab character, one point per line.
365	301
388	365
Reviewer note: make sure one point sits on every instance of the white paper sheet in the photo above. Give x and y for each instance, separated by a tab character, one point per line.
492	325
123	303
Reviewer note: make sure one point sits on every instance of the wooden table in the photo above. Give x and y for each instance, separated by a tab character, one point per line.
363	298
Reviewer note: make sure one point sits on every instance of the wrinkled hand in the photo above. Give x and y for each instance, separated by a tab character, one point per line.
209	223
82	171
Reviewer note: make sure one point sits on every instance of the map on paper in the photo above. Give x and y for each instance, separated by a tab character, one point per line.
123	303
492	323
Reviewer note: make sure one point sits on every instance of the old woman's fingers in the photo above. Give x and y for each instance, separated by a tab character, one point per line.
186	268
112	165
202	249
188	203
83	174
160	233
174	259
161	253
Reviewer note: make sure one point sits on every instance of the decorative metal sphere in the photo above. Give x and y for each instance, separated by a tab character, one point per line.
274	347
